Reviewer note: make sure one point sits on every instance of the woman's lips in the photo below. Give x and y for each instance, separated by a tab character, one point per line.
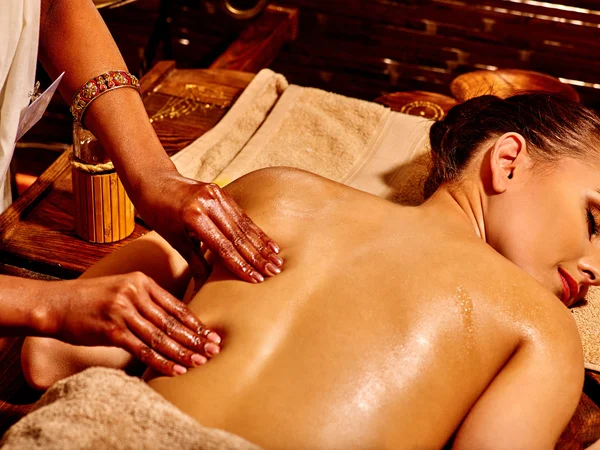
570	286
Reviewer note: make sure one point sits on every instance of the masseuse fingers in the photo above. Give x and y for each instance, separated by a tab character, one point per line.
263	243
128	341
216	241
156	361
175	308
206	342
163	346
243	243
240	238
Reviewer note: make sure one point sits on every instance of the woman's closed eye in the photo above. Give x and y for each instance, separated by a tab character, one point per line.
593	217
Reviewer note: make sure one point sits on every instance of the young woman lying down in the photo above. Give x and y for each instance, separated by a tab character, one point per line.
392	326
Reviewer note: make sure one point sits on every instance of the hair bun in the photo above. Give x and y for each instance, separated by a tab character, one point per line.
448	153
471	109
456	118
437	132
552	126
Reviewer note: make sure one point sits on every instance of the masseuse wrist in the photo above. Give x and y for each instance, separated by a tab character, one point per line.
154	194
43	317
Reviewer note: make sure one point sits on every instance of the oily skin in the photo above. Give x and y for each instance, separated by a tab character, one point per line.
393	327
356	344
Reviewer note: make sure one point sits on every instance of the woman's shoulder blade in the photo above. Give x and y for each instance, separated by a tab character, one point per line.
279	186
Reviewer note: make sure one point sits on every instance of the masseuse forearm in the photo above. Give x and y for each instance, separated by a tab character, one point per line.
24	306
74	39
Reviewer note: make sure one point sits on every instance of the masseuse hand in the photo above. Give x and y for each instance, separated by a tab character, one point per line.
131	312
187	212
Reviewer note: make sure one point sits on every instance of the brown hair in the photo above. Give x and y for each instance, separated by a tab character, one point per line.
552	126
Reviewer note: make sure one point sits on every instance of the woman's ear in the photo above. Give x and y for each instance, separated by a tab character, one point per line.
506	158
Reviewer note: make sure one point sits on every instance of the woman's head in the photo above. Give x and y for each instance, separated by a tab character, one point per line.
536	158
552	127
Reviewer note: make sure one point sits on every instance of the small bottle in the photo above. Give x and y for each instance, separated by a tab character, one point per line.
103	211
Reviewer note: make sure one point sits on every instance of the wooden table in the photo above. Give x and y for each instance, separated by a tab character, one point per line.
37	238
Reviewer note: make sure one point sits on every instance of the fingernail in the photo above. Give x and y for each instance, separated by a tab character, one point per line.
198	360
274	247
272	269
276	259
214	337
257	276
179	370
202	331
211	349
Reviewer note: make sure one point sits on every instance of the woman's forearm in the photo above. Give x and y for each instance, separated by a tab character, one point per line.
74	39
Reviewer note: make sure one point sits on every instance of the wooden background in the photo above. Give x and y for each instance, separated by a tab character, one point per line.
365	48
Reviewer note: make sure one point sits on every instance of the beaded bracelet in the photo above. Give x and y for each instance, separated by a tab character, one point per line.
99	85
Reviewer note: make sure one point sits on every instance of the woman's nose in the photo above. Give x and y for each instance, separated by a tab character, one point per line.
589	266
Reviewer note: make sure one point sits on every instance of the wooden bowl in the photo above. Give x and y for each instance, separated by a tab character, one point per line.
429	105
506	82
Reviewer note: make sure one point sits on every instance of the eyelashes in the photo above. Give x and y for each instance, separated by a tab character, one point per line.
592	221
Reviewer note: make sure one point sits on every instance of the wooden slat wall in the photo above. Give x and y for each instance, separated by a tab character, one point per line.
369	47
197	37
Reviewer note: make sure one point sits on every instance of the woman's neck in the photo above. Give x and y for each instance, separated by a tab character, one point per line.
461	207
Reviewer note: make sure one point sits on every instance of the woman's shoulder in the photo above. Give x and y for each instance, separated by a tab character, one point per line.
517	299
281	186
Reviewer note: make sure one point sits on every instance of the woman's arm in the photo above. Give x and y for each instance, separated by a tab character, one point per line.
74	39
531	400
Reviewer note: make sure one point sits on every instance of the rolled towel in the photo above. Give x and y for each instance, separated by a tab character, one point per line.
103	408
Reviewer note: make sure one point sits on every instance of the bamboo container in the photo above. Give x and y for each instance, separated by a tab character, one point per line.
103	211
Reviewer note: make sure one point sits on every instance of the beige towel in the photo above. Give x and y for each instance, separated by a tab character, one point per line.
587	316
312	130
348	140
207	156
105	409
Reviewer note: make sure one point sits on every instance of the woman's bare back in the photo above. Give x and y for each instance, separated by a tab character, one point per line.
384	330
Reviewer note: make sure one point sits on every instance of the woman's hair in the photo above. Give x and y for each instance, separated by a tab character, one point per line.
552	126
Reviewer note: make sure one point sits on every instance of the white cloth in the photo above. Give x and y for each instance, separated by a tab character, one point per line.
19	34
